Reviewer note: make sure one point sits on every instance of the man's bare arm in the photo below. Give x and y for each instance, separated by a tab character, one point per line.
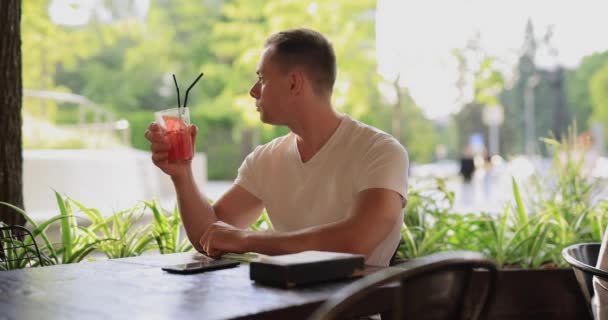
375	215
237	207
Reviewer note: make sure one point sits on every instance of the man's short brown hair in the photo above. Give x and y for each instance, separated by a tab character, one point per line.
308	49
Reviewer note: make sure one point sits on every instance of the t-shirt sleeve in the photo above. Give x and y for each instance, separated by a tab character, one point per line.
385	165
249	173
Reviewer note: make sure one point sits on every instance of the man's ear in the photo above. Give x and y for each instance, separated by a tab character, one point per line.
296	82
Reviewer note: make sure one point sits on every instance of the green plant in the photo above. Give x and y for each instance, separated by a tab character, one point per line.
426	219
117	236
531	231
75	244
493	236
166	231
556	210
511	238
566	194
121	237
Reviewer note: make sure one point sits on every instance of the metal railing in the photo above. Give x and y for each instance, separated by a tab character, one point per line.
103	122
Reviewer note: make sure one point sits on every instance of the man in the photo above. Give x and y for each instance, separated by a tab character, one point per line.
331	184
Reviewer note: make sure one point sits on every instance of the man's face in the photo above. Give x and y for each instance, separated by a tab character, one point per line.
271	90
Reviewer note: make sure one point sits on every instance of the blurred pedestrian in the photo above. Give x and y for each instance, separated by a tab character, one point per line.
467	164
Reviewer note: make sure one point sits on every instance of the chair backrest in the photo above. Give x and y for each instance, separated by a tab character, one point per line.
437	286
583	258
18	248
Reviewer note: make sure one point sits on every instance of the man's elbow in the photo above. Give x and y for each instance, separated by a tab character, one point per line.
366	242
360	246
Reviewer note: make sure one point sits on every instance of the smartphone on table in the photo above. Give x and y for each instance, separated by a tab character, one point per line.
201	266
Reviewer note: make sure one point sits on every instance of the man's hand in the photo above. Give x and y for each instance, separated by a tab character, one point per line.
222	238
159	145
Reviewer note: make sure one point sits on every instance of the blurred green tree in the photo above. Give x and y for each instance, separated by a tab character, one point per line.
579	91
599	98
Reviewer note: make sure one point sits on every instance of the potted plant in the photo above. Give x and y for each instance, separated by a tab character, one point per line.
525	238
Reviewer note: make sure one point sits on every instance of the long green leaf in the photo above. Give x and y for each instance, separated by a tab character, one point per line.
66	232
83	252
521	211
432	240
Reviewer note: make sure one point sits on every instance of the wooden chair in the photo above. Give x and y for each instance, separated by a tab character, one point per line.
583	259
437	286
18	249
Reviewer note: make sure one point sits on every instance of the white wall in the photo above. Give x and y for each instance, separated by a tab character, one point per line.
109	180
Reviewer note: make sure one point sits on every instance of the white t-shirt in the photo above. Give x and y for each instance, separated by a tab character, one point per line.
322	190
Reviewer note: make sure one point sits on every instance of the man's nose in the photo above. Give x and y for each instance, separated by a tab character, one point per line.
253	91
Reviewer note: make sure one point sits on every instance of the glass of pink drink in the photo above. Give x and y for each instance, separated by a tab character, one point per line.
177	131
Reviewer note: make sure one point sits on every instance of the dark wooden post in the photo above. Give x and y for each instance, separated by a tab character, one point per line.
11	158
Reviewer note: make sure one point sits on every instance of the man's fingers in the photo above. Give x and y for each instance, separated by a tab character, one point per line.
153	126
160	147
158	157
204	241
205	248
210	248
213	252
155	136
193	133
155	133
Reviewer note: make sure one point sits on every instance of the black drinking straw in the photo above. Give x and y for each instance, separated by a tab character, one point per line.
177	89
179	110
187	91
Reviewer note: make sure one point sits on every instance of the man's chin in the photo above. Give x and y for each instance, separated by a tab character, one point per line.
267	120
263	118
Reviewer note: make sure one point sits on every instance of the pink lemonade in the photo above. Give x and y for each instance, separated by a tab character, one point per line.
178	134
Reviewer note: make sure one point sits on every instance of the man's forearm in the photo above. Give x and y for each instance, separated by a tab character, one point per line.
338	237
196	211
359	233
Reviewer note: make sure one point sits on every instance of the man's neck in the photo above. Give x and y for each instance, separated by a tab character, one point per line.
314	129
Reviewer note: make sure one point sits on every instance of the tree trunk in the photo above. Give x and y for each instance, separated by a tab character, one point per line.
11	159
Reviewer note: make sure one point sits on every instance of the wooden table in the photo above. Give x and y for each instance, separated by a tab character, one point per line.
136	288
